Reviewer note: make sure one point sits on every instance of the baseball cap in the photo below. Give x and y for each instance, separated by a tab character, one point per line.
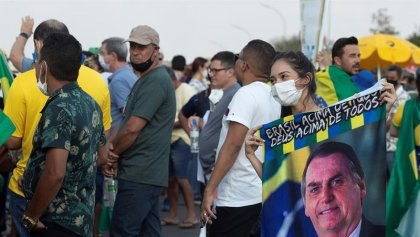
143	35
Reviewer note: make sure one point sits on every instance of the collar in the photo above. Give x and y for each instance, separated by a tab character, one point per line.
66	88
356	232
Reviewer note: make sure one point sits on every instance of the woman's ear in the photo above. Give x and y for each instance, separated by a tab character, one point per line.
306	80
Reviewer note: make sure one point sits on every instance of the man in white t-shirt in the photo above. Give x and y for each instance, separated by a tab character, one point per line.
239	189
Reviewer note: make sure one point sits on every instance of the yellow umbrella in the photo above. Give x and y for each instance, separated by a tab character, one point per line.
382	50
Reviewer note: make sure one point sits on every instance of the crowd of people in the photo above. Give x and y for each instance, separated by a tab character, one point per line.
117	111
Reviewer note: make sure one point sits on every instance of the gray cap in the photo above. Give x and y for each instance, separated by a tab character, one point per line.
144	35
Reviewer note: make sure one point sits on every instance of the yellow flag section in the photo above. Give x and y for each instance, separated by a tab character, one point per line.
291	170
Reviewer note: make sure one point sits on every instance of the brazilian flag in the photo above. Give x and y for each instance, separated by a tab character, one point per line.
6	127
334	84
6	77
288	144
402	192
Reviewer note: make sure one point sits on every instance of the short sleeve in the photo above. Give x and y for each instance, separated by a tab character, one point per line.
188	109
27	64
56	128
396	120
242	107
106	110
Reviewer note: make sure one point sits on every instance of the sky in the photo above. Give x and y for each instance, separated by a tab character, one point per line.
199	27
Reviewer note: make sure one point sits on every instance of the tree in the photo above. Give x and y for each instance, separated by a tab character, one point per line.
382	23
287	44
415	37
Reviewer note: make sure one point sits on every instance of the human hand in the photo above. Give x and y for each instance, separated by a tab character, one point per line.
27	25
198	119
252	142
388	96
324	59
110	170
206	213
39	226
112	157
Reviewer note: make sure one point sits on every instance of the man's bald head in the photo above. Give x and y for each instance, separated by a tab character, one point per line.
48	27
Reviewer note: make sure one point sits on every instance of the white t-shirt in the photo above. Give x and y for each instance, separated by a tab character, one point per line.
252	105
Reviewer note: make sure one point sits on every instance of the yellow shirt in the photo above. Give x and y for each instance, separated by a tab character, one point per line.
25	102
182	94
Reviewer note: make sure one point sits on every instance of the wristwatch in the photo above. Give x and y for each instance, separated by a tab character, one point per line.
28	222
24	35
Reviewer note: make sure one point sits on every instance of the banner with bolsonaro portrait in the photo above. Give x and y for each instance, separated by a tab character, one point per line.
357	122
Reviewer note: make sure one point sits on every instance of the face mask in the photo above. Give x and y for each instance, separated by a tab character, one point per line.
43	86
142	67
102	63
286	93
204	73
394	83
215	95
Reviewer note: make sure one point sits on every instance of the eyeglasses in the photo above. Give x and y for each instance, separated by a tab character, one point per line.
213	71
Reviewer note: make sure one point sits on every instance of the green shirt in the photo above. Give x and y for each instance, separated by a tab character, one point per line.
153	99
70	120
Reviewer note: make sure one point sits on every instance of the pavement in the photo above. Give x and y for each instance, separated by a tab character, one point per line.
174	230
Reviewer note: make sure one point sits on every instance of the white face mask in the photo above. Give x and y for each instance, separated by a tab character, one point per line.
104	65
204	74
286	93
43	86
215	95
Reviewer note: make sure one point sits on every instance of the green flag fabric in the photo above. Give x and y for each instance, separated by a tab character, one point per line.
6	77
334	84
404	182
6	127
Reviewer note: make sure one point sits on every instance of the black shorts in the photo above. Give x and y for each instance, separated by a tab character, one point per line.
235	221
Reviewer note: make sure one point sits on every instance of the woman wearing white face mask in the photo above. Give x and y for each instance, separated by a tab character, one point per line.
294	88
199	74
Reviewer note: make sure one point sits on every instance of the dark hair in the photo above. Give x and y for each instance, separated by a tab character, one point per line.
226	58
259	54
197	63
302	65
396	69
331	147
63	54
170	72
48	27
338	47
116	45
178	63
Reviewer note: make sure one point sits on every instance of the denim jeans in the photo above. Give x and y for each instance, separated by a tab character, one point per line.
17	206
136	210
